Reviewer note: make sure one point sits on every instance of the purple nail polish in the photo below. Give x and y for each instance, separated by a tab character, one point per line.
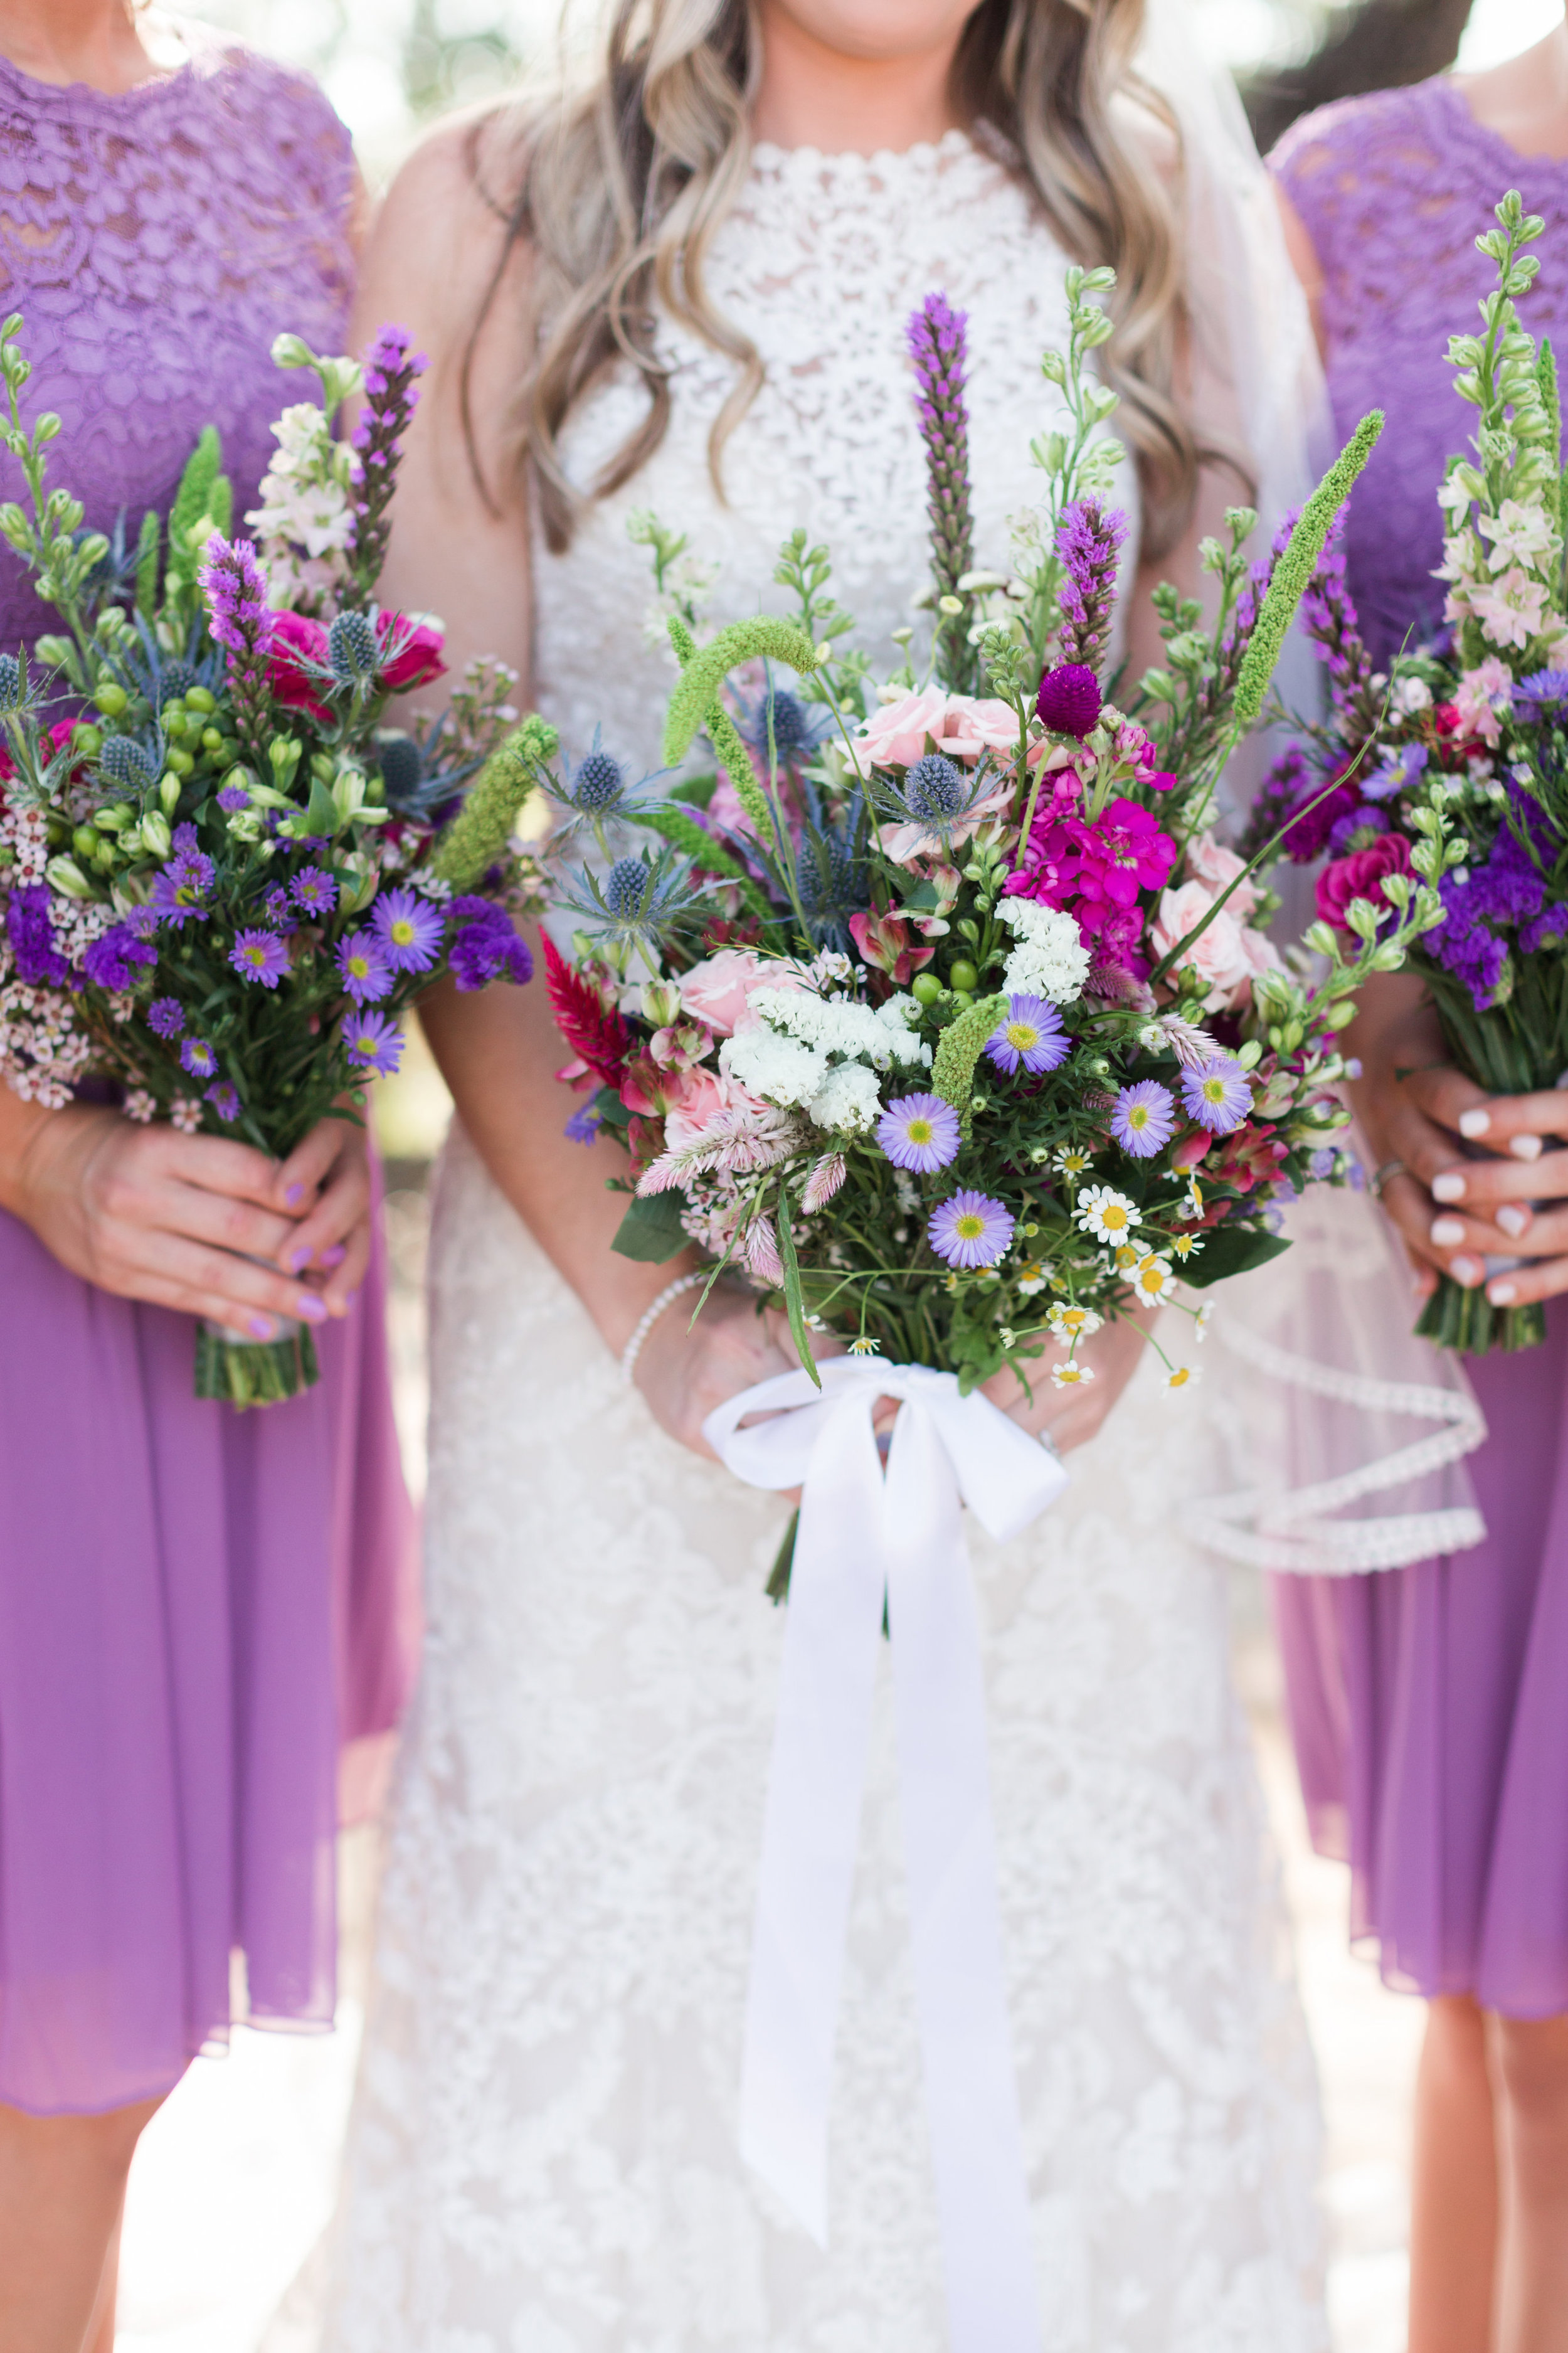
262	1327
313	1309
333	1255
295	1193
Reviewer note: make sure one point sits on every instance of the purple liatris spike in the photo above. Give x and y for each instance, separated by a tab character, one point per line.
1332	624
939	349
391	396
1069	699
235	587
1088	543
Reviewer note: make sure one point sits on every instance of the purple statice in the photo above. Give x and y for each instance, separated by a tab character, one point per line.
1144	1118
224	1100
391	376
259	956
1088	543
971	1229
1069	699
1332	624
584	1122
314	891
1029	1036
1474	955
165	1017
1219	1096
198	1058
28	927
232	799
486	947
1549	930
238	616
939	348
919	1132
373	1044
114	960
362	968
409	930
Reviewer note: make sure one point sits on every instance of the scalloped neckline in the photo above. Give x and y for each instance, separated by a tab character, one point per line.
923	154
80	97
1493	141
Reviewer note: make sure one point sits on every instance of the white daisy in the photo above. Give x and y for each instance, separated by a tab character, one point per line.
1070	1377
1106	1214
1154	1280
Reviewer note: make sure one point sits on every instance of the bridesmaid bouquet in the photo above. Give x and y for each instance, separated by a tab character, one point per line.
1472	731
221	890
938	1007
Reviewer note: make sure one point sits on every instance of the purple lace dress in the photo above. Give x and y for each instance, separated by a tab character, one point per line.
197	1608
1427	1703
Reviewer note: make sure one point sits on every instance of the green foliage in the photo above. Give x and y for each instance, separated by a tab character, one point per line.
1293	573
149	542
477	837
651	1230
1231	1249
794	1305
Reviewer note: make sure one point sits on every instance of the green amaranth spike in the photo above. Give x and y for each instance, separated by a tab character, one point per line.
731	752
148	541
1295	569
684	833
1550	393
958	1050
477	837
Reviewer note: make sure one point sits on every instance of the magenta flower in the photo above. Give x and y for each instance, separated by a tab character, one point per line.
223	1100
1144	1118
1069	699
1031	1035
971	1229
373	1044
233	798
198	1057
1124	853
363	968
260	957
1219	1096
919	1132
409	930
1361	876
234	587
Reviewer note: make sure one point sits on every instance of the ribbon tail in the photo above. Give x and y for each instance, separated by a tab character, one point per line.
815	1781
971	2087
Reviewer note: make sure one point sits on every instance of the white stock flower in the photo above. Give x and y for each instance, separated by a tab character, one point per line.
1051	959
781	1070
1519	534
849	1100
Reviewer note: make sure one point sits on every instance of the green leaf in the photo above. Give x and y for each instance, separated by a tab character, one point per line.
1231	1249
794	1305
651	1230
148	541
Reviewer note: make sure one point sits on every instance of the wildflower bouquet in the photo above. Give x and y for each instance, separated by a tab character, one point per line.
221	888
939	1010
1471	729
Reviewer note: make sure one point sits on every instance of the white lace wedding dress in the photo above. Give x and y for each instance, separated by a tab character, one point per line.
543	2154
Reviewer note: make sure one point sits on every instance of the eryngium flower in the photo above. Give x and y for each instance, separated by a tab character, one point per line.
639	896
373	1042
353	650
1218	1097
972	1229
127	765
11	687
598	783
1030	1035
1144	1118
919	1132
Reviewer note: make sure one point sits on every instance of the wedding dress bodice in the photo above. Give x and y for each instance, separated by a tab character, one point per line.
820	263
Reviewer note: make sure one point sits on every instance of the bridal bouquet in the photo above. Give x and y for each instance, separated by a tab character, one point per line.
939	1009
221	890
1472	731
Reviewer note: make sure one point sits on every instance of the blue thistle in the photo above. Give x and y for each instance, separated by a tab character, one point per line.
639	898
13	686
598	784
936	789
128	766
352	649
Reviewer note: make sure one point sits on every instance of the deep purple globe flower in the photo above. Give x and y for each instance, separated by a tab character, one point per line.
1219	1096
28	927
409	930
1144	1118
373	1044
260	957
971	1229
1069	699
1030	1036
364	969
919	1132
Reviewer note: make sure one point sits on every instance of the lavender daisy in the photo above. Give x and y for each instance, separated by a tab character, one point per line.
223	1100
198	1057
919	1132
362	968
260	957
373	1044
314	890
409	930
1031	1036
1219	1096
972	1229
1144	1118
166	1016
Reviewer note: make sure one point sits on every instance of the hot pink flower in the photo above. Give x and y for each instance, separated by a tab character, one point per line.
1360	876
1124	853
417	650
294	634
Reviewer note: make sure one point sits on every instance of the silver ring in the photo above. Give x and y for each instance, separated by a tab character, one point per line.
1385	1175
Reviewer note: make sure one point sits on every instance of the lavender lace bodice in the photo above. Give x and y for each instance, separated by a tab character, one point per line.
1393	191
155	242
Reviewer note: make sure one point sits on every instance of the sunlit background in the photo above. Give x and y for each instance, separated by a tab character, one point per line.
232	2190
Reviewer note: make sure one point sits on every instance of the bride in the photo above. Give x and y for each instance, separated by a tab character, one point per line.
685	288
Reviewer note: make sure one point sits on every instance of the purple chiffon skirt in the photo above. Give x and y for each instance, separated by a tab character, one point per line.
199	1609
1429	1707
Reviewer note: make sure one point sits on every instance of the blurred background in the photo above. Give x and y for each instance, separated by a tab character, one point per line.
233	2187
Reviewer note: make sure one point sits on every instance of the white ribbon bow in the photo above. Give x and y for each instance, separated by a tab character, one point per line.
864	1536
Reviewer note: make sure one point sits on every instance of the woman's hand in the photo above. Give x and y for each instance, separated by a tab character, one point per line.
1071	1416
685	1374
1453	1213
177	1220
326	1182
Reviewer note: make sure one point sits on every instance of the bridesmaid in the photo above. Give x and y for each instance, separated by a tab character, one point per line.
197	1608
1428	1702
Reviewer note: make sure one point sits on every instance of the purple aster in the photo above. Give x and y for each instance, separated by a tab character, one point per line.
363	968
112	961
260	957
919	1132
409	930
166	1016
28	927
1542	686
373	1044
584	1122
223	1100
1144	1118
972	1229
180	890
1031	1034
1219	1096
232	798
275	907
198	1057
314	890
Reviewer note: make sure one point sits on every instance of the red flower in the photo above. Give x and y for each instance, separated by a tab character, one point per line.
594	1030
416	651
294	637
1361	876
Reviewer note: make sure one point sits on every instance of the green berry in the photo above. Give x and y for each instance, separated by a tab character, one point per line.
962	974
110	699
925	989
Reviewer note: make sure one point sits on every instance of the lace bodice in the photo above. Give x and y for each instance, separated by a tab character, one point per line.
155	242
820	263
1394	190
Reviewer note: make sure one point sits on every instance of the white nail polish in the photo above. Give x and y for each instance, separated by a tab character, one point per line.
1476	1122
1465	1270
1447	1232
1512	1219
1502	1294
1448	1186
1525	1147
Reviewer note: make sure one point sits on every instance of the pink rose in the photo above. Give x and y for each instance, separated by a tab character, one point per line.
1360	876
416	647
895	734
696	1099
1217	956
293	637
1218	867
716	990
971	726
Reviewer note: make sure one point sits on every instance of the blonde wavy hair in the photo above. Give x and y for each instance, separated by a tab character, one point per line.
619	189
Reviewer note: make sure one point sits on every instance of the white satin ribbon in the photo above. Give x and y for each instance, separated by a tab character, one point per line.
864	1536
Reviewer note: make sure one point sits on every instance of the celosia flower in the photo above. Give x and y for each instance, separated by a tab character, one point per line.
409	930
259	956
1219	1097
1105	1213
198	1057
373	1042
166	1016
1143	1119
919	1132
314	890
971	1229
363	968
223	1100
1030	1034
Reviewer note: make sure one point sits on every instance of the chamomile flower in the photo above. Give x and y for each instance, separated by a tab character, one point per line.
865	1347
1070	1377
1201	1322
1181	1377
1154	1279
1106	1214
1071	1323
1185	1246
1031	1278
1126	1255
1070	1162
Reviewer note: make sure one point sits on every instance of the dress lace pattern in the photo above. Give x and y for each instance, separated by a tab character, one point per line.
155	242
543	2156
1362	175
